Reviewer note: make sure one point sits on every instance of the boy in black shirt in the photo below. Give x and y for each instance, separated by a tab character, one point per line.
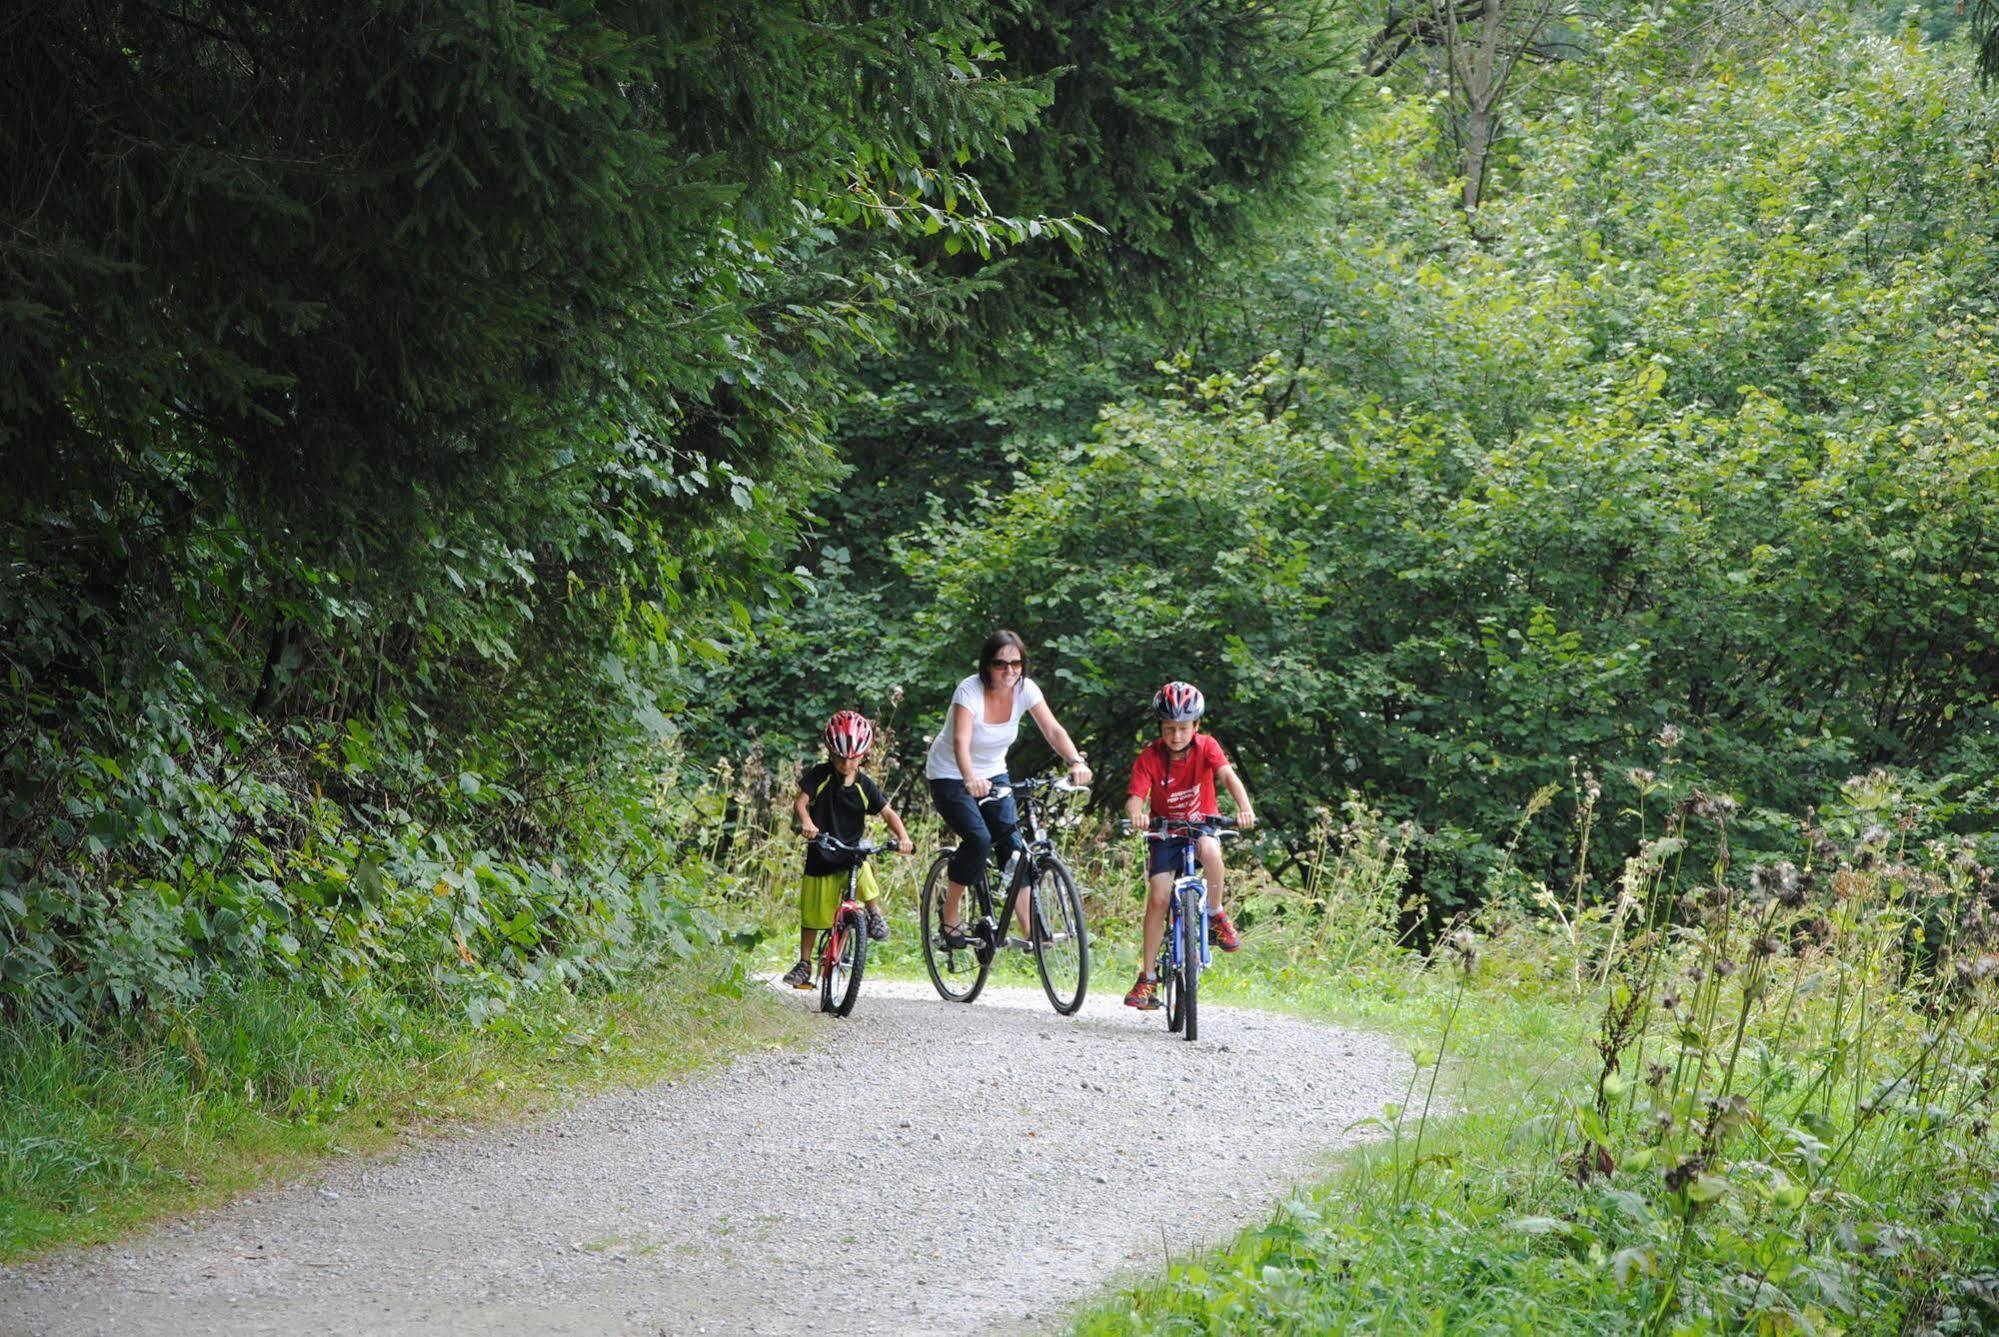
837	797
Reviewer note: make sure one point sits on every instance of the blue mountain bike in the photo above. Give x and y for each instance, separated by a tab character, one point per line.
1183	947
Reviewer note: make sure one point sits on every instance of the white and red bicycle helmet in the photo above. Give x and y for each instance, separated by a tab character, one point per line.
849	734
1179	701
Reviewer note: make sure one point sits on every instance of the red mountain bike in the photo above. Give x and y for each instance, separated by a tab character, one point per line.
843	948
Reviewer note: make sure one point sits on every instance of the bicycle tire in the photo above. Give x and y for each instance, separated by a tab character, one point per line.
1166	972
840	986
1190	965
1061	938
957	973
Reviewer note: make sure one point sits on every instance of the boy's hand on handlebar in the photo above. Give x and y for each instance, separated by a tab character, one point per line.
1245	819
905	846
809	831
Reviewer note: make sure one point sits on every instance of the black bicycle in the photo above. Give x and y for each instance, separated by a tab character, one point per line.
842	953
960	956
1183	947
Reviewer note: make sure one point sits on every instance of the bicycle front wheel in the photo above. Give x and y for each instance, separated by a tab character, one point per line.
840	981
1061	939
958	972
1167	972
1190	962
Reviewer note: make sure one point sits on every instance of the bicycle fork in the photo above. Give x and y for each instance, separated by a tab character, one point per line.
1174	931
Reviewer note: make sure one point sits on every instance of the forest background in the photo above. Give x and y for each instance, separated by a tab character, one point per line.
459	455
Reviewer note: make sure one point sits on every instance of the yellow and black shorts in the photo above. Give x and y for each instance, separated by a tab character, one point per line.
819	897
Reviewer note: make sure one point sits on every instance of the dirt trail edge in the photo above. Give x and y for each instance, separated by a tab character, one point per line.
929	1168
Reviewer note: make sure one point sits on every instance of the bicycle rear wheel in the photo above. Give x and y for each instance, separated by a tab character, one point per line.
1061	939
958	972
1190	962
840	982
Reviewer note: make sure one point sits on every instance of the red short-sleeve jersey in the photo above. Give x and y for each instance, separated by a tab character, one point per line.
1181	787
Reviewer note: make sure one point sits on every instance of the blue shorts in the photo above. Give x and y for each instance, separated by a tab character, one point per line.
1165	856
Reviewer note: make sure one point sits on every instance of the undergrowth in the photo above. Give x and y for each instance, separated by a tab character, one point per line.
1700	1099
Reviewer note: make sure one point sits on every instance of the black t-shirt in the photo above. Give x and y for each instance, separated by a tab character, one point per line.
840	810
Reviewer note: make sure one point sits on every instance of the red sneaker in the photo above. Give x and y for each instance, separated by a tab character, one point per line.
1222	929
1144	995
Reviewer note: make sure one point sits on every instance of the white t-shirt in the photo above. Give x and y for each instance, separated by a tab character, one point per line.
989	741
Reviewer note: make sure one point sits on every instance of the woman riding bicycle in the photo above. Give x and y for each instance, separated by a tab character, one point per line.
967	760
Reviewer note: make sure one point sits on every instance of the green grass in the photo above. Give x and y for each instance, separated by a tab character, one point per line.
260	1082
1471	1214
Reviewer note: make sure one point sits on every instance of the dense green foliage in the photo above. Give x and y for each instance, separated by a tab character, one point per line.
398	401
1687	425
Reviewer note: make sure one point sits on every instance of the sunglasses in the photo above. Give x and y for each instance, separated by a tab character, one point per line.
1006	663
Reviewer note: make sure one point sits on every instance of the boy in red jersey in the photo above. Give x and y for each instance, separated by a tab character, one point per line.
1175	777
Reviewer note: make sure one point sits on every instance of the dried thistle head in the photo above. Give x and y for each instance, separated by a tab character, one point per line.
1681	1175
1726	1112
1669	736
1716	808
1847	882
1591	789
1655	1075
1775	882
1641	778
1976	970
1764	947
1463	947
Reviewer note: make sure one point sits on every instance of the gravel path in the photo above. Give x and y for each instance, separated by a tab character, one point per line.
929	1168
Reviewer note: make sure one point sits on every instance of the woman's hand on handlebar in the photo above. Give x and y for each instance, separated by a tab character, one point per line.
808	830
978	786
905	846
1079	773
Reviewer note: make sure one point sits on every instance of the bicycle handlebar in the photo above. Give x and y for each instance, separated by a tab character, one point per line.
832	844
1178	828
1053	783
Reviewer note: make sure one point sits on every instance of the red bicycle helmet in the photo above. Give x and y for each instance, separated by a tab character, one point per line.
849	734
1178	701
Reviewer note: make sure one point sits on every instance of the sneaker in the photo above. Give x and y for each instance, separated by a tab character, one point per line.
799	976
953	937
1144	995
877	923
1222	929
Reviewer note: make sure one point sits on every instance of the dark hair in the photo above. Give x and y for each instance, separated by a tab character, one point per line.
995	643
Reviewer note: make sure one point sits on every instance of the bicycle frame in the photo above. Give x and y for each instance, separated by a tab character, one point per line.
1190	879
1033	840
830	938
